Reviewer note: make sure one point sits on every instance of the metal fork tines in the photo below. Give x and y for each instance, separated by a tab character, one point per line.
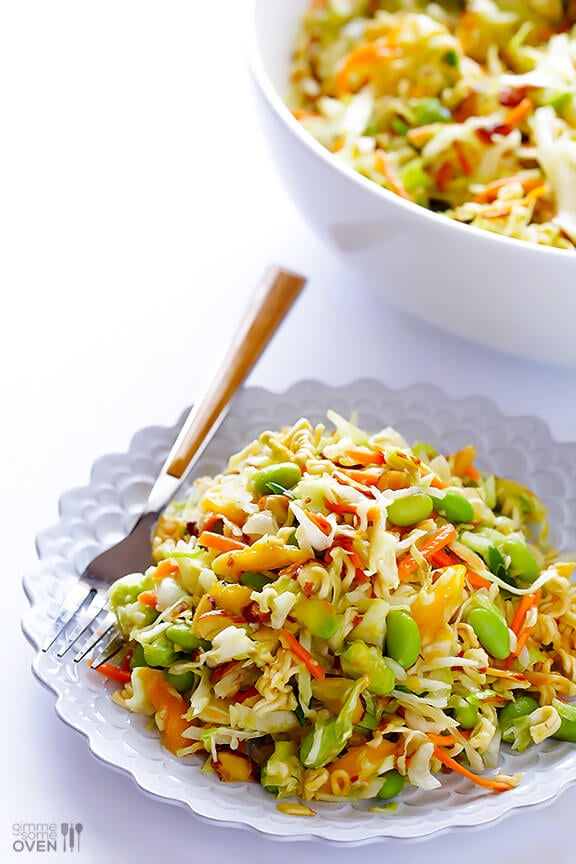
84	622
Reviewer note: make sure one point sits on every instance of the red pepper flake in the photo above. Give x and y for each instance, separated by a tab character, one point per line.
486	134
253	614
246	694
466	108
292	570
308	589
510	97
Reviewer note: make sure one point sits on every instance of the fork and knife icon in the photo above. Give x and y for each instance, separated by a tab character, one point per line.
71	835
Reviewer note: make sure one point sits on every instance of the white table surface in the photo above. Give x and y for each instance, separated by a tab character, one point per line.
139	205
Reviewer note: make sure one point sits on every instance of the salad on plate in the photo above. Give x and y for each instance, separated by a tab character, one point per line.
339	615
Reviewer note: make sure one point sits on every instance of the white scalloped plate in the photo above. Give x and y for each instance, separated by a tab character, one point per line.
99	514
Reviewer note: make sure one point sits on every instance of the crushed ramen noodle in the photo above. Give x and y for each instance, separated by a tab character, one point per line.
467	107
338	615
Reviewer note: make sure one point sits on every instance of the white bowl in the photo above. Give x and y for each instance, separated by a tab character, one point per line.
506	294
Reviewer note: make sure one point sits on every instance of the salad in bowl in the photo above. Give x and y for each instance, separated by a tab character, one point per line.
467	107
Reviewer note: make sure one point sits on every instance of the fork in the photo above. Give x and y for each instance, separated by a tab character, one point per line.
84	621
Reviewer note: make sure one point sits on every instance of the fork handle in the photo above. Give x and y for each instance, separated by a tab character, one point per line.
271	302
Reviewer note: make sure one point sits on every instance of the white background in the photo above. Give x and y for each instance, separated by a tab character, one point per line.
139	205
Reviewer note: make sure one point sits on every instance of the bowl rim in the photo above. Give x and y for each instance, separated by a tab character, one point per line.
260	74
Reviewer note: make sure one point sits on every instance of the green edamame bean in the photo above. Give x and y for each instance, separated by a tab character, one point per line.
285	474
181	681
403	641
182	635
520	707
254	580
454	507
359	659
491	630
465	712
392	785
410	509
160	652
522	562
567	730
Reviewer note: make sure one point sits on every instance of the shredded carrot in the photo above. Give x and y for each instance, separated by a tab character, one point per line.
321	523
436	483
148	598
341	509
476	581
463	159
442	559
524	606
442	740
505	209
447	558
337	145
520	112
519	623
491	190
384	166
449	762
498	212
348	481
165	568
444	175
293	645
437	541
366	457
522	639
300	114
367	478
115	673
219	542
361	62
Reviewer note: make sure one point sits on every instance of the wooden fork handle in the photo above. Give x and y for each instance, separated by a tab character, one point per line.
272	300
